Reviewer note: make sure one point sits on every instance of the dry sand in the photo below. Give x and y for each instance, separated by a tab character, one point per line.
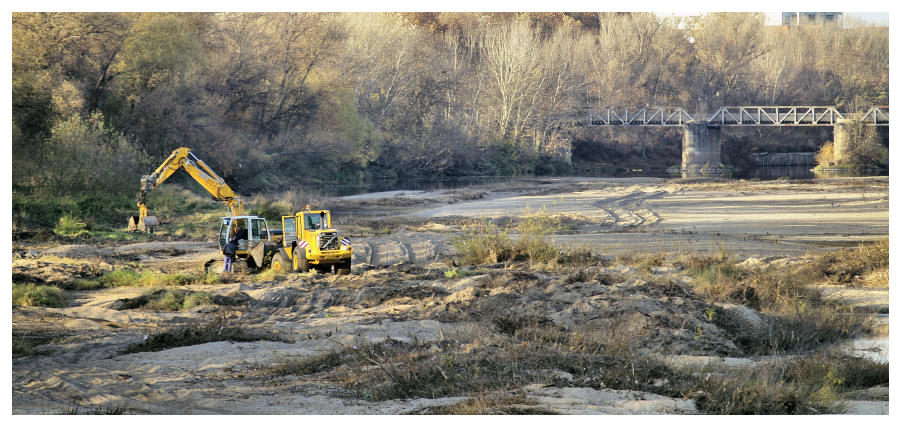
82	365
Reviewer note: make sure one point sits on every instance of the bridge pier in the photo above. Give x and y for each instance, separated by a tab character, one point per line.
701	150
840	140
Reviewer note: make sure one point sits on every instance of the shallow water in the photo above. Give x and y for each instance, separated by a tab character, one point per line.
764	173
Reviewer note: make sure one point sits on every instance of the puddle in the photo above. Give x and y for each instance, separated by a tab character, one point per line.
874	348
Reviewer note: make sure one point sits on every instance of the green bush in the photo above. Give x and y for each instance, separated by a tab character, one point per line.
45	211
129	277
170	300
70	226
197	299
32	295
177	300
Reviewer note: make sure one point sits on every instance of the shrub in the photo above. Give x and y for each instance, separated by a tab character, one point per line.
825	155
488	243
129	277
484	244
176	300
169	300
851	266
70	226
197	299
32	295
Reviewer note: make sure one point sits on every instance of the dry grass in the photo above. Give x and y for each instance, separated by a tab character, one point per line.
488	405
866	265
146	278
491	367
213	329
800	318
525	239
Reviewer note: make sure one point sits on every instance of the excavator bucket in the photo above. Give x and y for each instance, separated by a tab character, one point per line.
148	224
133	223
258	254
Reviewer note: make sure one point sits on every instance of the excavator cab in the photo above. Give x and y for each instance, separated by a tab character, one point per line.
248	229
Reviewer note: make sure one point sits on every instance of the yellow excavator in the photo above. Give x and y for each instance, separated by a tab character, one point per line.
183	158
309	240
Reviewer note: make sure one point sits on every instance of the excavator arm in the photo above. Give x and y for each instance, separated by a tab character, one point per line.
183	158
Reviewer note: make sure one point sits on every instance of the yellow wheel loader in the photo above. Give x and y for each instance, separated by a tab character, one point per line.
311	242
258	245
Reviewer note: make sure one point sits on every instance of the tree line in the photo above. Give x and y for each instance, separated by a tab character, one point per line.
274	100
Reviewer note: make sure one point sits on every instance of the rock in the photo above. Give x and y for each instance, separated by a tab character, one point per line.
575	400
865	407
640	304
750	317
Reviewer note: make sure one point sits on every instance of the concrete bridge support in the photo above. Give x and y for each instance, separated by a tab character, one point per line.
840	140
701	149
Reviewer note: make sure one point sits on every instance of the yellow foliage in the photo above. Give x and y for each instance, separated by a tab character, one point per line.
825	156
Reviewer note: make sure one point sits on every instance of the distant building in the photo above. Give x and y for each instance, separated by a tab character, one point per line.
796	19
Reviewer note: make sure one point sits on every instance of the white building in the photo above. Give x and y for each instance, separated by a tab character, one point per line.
797	19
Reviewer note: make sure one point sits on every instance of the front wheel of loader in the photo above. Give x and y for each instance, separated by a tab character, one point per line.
343	268
280	263
301	264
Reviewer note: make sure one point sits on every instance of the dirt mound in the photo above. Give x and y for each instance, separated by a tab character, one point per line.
61	274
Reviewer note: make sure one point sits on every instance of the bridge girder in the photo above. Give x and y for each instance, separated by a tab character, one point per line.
725	116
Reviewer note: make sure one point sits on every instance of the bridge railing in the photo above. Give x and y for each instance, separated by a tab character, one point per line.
630	116
775	116
724	116
877	116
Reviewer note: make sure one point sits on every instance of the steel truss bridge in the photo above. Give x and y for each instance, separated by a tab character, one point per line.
725	116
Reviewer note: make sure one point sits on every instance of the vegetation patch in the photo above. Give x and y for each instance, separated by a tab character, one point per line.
146	278
167	300
798	316
199	333
32	295
77	409
24	345
488	405
865	265
487	365
523	240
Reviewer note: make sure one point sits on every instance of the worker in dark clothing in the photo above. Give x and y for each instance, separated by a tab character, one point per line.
229	251
241	234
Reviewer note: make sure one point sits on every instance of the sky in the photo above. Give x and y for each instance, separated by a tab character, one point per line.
878	18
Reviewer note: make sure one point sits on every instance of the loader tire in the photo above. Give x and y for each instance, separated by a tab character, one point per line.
301	264
280	263
343	268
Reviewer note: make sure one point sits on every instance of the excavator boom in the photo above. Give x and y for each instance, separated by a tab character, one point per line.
183	158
